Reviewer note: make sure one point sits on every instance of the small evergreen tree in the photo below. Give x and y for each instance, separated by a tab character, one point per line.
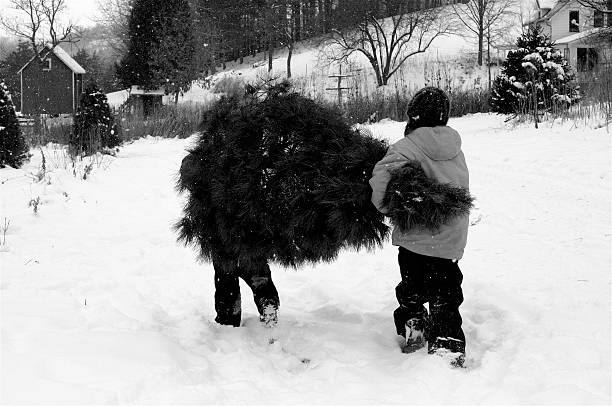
13	148
94	126
161	48
534	77
9	67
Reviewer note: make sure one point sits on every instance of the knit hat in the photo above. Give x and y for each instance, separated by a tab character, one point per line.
428	108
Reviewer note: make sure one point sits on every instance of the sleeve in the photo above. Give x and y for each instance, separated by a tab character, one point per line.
382	174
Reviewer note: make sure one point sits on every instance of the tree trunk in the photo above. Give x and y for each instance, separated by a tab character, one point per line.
289	59
270	54
380	81
480	44
176	96
489	55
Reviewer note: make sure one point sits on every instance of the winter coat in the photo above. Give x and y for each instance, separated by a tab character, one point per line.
438	150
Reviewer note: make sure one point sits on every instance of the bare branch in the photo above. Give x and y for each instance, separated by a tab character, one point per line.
388	43
33	17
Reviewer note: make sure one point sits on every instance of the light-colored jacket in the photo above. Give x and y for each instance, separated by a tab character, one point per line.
438	150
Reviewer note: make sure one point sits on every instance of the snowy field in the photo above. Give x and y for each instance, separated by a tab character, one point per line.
99	305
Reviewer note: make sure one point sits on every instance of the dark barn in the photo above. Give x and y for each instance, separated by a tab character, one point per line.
51	84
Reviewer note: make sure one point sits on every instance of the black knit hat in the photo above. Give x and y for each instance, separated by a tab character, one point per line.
428	108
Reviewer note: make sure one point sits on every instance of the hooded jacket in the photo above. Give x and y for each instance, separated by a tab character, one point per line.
438	150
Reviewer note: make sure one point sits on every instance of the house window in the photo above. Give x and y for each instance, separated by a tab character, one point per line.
574	21
587	59
598	19
47	64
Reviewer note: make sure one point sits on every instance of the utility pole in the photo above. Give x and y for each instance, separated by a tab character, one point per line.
339	87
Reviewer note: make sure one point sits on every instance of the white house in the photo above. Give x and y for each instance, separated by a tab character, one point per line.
572	27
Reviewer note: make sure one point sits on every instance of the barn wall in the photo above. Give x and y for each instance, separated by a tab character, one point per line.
48	92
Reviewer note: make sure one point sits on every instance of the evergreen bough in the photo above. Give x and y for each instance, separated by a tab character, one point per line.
414	200
94	126
13	148
535	65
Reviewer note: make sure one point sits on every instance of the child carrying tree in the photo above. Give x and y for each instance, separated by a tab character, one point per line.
428	257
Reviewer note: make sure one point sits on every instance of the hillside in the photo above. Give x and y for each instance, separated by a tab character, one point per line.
449	61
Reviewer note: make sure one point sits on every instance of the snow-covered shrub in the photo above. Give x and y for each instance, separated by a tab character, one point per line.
534	77
94	127
13	148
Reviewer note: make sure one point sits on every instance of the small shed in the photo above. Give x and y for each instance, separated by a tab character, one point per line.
51	84
145	102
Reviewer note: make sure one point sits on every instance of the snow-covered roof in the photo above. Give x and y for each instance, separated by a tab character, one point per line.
67	59
62	56
549	4
577	36
137	90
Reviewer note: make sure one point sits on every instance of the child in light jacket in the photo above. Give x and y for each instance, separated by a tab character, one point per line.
428	259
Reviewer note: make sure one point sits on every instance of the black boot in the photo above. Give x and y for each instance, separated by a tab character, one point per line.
415	335
411	316
227	293
259	279
446	335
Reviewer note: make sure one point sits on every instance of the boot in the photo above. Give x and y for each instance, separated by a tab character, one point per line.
269	313
415	335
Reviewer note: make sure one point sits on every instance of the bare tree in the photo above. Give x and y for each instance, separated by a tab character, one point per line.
39	23
114	17
389	42
486	19
603	6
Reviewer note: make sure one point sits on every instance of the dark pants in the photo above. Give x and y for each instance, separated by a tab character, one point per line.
437	281
227	288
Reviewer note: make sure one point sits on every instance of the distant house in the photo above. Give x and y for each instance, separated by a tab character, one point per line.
572	27
51	84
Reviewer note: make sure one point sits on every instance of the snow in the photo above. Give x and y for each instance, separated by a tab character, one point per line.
116	99
99	305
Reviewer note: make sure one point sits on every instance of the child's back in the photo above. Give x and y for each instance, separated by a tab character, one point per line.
428	258
438	150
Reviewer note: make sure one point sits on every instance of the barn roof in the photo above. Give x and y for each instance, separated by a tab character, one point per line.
62	56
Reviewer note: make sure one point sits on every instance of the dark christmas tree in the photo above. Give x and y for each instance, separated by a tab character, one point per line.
534	74
94	126
13	148
279	177
161	46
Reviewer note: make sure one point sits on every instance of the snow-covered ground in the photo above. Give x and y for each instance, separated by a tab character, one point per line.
99	305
